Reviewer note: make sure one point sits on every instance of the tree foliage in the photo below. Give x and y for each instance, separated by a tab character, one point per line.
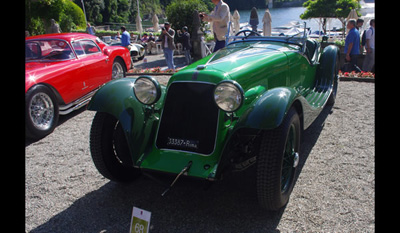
180	12
94	10
38	14
208	3
343	7
101	12
69	14
328	8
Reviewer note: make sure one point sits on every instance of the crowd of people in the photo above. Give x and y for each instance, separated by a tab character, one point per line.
219	17
354	45
355	42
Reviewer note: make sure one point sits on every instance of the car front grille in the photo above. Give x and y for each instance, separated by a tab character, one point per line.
189	119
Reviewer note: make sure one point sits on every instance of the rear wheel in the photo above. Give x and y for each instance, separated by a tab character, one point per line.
118	70
277	162
109	149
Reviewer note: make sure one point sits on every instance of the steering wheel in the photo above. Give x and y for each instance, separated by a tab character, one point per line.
247	33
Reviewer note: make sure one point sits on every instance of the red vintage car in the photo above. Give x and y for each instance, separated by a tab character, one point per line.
62	73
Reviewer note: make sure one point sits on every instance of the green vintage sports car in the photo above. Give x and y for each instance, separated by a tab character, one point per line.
245	105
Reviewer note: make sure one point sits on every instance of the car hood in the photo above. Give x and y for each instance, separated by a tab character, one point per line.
239	62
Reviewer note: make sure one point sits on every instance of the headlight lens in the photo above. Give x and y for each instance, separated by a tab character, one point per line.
147	90
228	96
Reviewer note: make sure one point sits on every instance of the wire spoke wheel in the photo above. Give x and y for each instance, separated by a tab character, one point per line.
41	111
117	70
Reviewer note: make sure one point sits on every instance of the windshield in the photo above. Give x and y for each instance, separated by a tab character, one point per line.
295	35
49	50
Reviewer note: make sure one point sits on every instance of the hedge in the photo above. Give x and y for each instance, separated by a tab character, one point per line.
101	33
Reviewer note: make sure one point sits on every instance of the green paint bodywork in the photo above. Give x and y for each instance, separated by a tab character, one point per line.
274	76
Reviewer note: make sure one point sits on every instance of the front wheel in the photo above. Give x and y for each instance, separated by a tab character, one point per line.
41	112
277	162
109	149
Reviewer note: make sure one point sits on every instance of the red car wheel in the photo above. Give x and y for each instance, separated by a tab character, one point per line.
41	112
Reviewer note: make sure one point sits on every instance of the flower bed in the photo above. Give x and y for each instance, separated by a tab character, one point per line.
353	76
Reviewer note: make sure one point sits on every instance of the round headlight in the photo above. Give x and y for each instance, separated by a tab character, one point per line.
228	96
147	90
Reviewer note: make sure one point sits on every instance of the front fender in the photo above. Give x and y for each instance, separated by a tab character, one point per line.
268	111
138	121
115	98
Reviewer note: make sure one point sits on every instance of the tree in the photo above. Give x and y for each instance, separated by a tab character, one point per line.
343	8
38	14
72	17
150	7
180	12
110	10
94	10
328	9
209	4
319	9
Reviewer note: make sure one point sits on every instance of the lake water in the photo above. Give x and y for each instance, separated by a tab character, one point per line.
282	16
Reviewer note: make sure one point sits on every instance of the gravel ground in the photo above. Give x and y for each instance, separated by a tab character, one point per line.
334	191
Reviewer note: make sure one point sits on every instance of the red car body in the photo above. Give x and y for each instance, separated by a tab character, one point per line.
72	66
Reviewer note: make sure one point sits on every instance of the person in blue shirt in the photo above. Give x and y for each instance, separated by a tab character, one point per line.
125	38
126	41
90	29
352	46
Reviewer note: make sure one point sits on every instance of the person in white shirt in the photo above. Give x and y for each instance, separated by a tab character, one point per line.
369	60
220	19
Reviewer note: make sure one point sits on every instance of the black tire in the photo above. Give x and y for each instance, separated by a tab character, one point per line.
141	57
273	162
109	149
41	112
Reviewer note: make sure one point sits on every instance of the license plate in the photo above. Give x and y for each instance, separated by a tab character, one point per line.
185	143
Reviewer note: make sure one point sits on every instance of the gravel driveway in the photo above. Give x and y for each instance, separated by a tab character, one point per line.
334	191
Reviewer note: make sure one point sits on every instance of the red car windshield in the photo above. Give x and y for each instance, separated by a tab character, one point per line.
48	50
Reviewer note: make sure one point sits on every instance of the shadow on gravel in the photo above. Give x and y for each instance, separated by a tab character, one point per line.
310	137
229	205
178	61
61	120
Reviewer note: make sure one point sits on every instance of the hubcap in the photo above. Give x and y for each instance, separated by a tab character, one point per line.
290	160
41	111
117	71
296	159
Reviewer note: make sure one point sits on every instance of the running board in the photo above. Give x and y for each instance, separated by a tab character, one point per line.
318	97
77	104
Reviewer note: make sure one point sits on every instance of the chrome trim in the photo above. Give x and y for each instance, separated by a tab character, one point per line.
77	104
162	113
296	159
